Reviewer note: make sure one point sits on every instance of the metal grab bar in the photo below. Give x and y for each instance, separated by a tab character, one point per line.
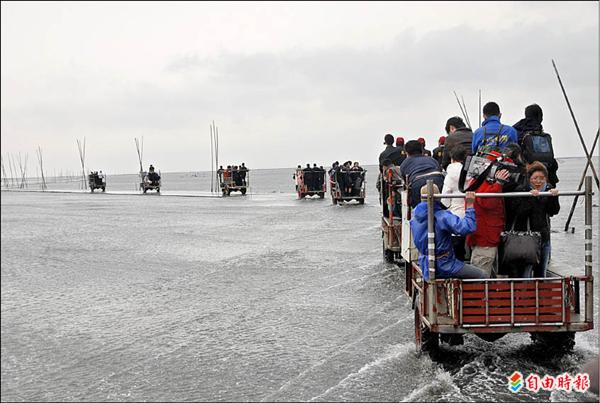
505	195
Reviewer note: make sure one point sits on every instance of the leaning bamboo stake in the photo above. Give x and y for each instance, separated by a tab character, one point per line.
587	154
81	148
211	160
23	169
466	113
4	177
581	181
39	152
461	109
13	171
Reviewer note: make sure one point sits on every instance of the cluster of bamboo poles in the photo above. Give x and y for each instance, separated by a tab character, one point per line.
13	169
17	164
214	158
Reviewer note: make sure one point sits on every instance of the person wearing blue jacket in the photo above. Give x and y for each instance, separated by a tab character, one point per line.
493	134
446	224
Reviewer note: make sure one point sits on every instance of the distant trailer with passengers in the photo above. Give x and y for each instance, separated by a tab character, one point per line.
310	181
552	309
150	180
234	179
347	182
96	181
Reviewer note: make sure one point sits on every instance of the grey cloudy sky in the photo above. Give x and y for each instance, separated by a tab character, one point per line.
286	83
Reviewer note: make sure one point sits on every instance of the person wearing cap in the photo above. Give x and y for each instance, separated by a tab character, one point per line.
425	151
392	153
400	146
438	152
458	135
445	224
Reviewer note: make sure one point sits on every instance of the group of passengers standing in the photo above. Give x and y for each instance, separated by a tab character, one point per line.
313	178
233	173
468	231
349	176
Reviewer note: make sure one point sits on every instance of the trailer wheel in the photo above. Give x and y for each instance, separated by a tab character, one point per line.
425	340
557	343
388	255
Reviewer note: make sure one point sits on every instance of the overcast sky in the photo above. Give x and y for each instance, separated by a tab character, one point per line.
286	83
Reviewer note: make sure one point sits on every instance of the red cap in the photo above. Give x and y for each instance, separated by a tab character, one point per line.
421	140
442	140
399	141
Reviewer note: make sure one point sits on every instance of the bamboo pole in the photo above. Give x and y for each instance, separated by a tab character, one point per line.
587	154
576	199
479	108
81	148
431	295
211	160
466	111
39	154
4	177
589	291
461	109
13	171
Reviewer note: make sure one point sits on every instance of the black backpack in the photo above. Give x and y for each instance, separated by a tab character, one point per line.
537	146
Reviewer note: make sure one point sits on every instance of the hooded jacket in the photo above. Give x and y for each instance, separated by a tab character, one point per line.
392	153
530	125
445	224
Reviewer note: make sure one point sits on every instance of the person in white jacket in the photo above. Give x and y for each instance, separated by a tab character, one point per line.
456	206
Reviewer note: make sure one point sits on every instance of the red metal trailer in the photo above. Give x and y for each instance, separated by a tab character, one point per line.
336	181
551	309
310	183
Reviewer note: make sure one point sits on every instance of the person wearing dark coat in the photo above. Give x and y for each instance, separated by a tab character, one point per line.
458	134
438	152
400	146
243	171
425	151
417	169
532	123
153	177
392	153
308	177
537	211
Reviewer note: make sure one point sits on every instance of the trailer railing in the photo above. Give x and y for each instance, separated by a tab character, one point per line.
430	197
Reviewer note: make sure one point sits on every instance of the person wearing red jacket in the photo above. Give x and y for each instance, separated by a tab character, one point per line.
489	213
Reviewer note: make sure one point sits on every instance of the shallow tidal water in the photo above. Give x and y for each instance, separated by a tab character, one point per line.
264	297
